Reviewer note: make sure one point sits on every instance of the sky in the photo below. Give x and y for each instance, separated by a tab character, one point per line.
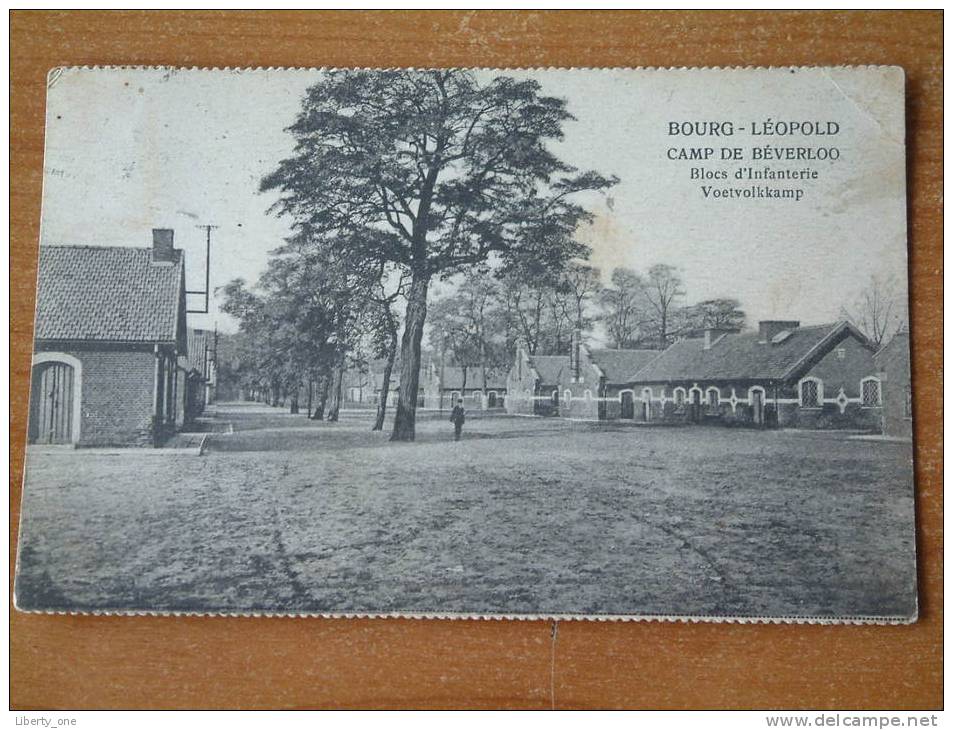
128	150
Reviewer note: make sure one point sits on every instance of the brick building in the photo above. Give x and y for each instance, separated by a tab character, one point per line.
893	368
110	326
444	384
598	386
588	384
366	387
196	373
534	382
821	376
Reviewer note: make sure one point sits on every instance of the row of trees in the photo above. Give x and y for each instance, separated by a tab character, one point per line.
312	315
482	322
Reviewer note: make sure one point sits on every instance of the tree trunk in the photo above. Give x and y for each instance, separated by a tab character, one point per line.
310	395
294	398
385	380
322	392
334	401
406	417
275	392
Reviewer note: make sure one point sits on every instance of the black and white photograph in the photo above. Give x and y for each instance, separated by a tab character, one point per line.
562	343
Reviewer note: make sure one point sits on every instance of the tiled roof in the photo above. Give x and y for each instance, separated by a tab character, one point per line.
618	365
549	367
453	377
199	342
112	294
739	356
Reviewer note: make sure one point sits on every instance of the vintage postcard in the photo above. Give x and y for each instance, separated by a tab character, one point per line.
569	343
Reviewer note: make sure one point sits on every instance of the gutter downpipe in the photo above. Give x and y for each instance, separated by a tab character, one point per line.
155	399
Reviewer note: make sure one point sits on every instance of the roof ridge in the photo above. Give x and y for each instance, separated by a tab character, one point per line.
623	349
110	247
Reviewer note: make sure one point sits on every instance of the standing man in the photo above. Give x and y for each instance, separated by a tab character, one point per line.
457	417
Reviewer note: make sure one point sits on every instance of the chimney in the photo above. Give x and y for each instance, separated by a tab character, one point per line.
769	328
162	249
713	334
574	344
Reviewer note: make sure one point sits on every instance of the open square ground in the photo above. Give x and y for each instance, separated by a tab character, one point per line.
524	515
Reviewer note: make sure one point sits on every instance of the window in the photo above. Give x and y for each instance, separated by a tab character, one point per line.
713	397
810	392
679	397
567	396
555	397
908	402
841	353
870	392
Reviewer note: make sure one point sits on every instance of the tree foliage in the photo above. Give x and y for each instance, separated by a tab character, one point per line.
456	170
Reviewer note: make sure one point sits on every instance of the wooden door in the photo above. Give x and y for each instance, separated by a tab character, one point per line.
51	404
757	407
695	412
628	405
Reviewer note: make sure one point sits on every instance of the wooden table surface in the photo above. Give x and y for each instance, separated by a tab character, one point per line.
115	662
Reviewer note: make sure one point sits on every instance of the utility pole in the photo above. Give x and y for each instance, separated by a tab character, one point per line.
208	260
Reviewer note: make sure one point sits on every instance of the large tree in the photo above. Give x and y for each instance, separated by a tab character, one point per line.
458	169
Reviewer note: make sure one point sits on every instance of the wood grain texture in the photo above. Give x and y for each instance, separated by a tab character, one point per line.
110	662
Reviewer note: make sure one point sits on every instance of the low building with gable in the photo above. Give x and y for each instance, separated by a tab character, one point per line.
110	328
820	376
598	384
443	385
534	383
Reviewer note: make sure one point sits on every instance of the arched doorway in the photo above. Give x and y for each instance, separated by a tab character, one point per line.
695	412
646	404
54	400
628	405
756	396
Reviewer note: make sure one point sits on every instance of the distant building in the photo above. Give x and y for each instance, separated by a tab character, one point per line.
589	384
599	384
197	374
893	366
110	327
783	374
357	386
444	384
363	386
534	382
